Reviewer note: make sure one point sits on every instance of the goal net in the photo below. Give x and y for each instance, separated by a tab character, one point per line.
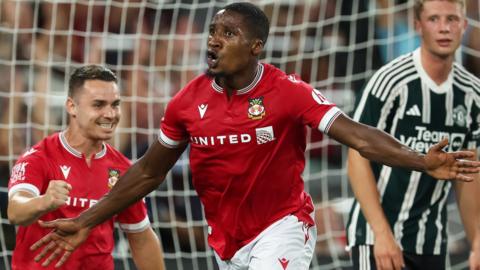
156	47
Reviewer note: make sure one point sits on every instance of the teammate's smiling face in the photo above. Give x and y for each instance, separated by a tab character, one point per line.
230	46
441	26
95	109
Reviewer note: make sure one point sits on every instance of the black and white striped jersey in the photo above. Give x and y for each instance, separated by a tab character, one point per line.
404	101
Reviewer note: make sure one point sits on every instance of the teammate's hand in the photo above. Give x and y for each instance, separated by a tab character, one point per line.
452	165
388	254
65	237
56	195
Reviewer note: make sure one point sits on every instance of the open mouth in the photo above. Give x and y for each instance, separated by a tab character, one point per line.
106	125
212	58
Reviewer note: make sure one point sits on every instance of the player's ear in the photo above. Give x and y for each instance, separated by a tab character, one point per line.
71	107
418	27
257	47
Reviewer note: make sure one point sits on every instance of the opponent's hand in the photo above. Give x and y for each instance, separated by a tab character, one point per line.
65	237
451	165
474	259
56	195
388	254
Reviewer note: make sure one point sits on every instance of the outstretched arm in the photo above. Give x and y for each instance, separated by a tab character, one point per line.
387	252
142	178
376	145
146	250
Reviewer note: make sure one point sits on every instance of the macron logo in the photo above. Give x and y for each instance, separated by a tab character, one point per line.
284	262
202	109
65	170
413	111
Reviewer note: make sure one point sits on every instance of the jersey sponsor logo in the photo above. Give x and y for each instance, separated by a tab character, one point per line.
284	262
202	108
256	110
81	202
425	139
221	139
460	116
476	134
18	172
319	98
65	170
29	152
264	135
113	176
413	111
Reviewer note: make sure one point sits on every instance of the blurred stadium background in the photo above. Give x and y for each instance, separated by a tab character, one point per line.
156	47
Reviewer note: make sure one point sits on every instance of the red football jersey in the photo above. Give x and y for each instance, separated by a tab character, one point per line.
54	159
247	152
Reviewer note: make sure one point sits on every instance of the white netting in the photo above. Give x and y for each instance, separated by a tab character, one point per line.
156	47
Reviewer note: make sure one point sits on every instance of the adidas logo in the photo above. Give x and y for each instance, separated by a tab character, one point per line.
414	111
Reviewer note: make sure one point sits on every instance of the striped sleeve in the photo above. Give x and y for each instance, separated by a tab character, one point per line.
379	90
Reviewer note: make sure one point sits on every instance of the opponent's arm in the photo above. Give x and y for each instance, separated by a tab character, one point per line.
378	146
474	259
388	254
146	250
24	208
468	204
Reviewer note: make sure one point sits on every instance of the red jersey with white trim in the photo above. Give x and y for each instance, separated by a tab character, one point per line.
247	152
54	159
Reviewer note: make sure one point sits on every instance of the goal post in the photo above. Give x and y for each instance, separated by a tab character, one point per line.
156	47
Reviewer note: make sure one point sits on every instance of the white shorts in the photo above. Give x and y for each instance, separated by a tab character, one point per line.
285	245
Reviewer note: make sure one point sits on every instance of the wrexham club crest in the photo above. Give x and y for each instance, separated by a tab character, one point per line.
113	175
256	110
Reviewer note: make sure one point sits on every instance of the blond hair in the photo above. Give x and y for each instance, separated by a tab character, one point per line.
418	7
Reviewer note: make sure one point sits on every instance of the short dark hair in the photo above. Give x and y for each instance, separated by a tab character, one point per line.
257	21
86	73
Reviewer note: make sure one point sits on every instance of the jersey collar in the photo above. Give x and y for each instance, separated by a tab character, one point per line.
439	89
248	88
76	153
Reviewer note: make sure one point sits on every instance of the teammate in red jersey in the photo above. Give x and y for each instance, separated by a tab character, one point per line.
245	123
68	172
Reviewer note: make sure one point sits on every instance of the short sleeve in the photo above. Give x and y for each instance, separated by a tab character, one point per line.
172	129
473	137
310	106
134	218
377	100
28	174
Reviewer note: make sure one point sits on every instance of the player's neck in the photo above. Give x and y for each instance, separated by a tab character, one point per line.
239	80
77	141
437	67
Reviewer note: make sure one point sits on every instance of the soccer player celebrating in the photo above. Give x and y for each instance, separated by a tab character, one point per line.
68	172
400	216
245	123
